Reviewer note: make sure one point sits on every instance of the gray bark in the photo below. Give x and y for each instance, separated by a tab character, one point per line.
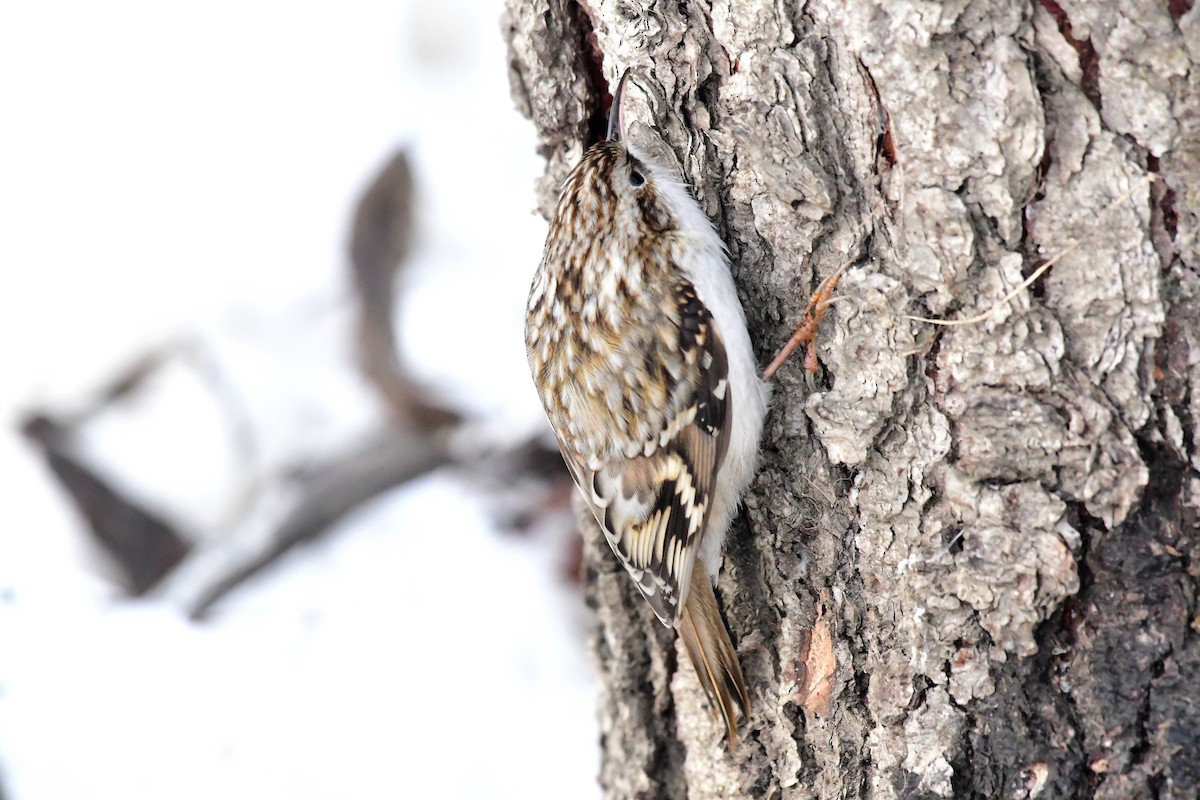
968	565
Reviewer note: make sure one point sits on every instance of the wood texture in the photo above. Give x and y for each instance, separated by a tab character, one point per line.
984	536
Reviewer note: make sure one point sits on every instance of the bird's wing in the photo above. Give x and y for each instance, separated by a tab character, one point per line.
653	507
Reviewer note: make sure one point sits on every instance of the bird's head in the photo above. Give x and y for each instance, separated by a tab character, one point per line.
615	190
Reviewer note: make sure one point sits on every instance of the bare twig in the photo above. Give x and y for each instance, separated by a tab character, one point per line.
142	543
379	247
336	489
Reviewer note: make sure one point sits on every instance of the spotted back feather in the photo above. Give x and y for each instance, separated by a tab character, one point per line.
637	382
633	375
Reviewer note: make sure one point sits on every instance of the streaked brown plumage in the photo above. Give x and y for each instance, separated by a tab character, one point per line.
639	350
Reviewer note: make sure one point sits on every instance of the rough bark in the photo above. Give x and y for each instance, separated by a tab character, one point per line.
968	566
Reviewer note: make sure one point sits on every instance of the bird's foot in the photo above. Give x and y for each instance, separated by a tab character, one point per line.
806	331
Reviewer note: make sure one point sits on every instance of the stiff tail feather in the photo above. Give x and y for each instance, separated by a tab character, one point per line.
711	651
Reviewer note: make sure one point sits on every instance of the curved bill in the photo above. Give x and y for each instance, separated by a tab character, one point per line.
616	113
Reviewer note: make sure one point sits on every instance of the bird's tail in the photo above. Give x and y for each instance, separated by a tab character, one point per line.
711	651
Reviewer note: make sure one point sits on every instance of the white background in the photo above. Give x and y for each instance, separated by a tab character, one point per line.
186	173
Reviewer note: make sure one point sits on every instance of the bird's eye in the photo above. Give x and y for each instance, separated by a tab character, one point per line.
636	178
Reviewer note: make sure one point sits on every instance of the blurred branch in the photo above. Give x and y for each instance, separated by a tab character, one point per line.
144	545
380	243
282	509
336	489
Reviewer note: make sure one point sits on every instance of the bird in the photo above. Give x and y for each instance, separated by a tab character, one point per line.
638	347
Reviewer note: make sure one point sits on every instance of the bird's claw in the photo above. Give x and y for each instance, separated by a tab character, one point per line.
806	331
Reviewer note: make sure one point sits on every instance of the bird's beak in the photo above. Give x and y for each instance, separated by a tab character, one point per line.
616	117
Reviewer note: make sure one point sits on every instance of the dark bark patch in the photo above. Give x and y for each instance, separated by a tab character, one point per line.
592	62
1089	59
1164	219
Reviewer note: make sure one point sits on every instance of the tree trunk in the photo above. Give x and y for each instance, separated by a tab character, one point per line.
968	565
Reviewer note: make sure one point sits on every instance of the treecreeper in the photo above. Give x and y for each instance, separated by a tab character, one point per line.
638	346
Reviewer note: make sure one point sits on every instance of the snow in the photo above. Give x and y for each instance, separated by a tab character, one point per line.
182	178
345	674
